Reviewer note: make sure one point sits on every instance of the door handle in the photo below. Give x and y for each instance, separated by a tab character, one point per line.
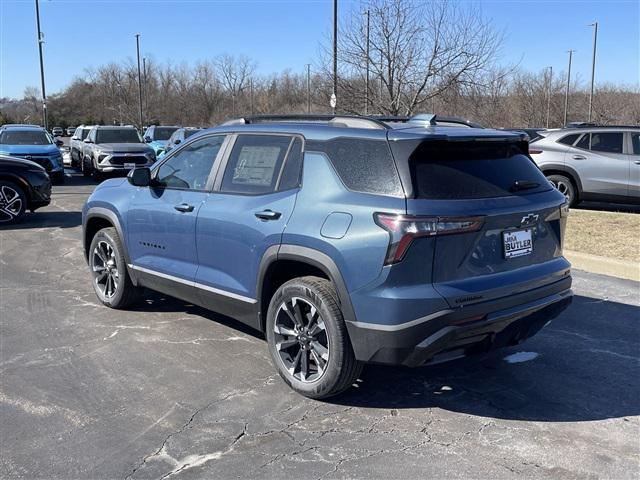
579	157
184	207
268	215
637	162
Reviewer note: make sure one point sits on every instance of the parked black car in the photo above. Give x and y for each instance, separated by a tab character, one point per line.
24	185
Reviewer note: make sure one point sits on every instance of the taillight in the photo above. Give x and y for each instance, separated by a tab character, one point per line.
534	151
404	228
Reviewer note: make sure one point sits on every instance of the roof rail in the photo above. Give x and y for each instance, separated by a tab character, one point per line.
596	125
351	121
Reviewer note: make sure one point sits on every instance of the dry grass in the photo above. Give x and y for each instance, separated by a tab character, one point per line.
608	234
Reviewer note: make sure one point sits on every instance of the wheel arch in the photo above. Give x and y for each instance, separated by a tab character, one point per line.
557	169
96	219
281	263
21	182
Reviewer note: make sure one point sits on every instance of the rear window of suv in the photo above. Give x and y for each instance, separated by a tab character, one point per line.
466	170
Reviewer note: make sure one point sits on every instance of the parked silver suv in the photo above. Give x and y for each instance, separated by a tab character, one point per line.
594	163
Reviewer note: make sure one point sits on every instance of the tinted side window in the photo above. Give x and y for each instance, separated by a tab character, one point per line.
609	142
290	177
363	165
569	139
635	141
190	167
583	142
254	164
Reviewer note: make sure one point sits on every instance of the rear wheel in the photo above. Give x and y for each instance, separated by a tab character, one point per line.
566	187
13	202
86	167
308	339
110	278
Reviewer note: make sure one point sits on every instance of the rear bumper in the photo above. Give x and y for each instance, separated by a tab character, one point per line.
461	331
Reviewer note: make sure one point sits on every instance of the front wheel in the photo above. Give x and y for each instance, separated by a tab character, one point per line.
13	202
110	278
308	339
565	186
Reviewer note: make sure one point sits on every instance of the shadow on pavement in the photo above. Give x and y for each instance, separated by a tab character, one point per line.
587	369
46	219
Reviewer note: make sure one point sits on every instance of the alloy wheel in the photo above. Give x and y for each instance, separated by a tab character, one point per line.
105	269
301	339
563	188
10	203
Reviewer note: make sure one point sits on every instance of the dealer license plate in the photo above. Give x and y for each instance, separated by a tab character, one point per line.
129	165
517	243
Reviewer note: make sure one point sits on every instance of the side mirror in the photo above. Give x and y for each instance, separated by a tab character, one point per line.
148	139
177	141
87	140
140	177
59	143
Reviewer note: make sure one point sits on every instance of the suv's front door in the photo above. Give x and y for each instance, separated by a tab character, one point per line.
254	196
162	217
599	159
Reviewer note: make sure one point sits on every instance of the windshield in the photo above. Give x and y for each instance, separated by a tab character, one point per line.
24	137
125	135
163	133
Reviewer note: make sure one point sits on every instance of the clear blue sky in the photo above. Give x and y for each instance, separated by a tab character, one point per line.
285	34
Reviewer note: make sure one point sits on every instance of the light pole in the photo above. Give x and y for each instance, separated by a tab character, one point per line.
139	80
549	86
366	91
308	65
566	94
251	95
44	94
335	57
144	79
593	65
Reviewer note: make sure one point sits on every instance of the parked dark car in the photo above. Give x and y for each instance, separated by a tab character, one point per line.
35	144
24	185
110	149
345	240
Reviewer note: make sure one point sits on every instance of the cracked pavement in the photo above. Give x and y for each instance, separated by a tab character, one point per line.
169	390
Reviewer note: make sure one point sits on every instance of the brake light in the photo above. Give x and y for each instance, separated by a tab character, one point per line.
404	228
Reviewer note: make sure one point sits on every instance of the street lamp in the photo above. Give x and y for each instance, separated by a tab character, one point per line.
308	65
566	95
366	91
335	56
593	65
40	42
139	80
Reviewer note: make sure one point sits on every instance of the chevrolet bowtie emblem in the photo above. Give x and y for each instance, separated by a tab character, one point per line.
529	219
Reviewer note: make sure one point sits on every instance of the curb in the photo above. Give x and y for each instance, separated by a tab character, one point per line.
604	265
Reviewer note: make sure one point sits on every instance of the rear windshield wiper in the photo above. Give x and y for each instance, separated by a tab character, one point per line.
523	185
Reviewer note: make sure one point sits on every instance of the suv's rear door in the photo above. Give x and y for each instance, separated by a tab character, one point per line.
599	159
518	245
254	195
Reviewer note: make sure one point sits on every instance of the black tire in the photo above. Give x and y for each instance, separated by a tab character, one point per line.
102	260
341	369
565	186
13	203
86	167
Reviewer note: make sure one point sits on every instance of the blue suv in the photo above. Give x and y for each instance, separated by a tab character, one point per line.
346	240
32	142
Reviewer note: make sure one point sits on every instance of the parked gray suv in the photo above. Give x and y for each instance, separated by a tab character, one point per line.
111	149
593	163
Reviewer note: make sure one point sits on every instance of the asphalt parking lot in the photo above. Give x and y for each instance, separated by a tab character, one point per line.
171	390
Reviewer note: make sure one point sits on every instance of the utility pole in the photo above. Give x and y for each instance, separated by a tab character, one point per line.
139	81
566	95
380	97
44	94
593	65
334	100
144	79
366	92
549	86
251	95
308	88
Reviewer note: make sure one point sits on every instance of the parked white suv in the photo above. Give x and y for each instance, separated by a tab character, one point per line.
594	163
